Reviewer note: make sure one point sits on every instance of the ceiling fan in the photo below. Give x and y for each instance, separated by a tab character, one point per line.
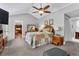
42	10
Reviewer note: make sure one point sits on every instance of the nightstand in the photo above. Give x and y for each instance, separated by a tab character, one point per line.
57	40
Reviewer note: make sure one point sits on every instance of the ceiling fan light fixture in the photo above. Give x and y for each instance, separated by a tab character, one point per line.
41	12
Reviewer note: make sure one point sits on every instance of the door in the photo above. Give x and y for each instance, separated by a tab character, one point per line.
77	30
18	31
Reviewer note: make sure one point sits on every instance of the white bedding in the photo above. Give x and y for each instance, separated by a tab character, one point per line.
36	39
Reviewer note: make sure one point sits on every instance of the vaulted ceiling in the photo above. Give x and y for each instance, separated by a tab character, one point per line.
22	8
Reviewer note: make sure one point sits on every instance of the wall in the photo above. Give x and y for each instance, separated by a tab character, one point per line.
67	28
58	16
73	26
73	22
25	18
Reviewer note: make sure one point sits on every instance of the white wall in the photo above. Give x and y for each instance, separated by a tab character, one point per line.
74	28
67	29
59	16
25	18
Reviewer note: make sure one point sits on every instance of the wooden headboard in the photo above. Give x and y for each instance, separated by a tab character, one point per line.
49	28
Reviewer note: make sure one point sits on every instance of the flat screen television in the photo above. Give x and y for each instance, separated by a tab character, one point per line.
4	16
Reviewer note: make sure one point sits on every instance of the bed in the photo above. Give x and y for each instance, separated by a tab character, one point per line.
36	39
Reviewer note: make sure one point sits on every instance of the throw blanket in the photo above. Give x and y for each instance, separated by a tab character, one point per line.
36	39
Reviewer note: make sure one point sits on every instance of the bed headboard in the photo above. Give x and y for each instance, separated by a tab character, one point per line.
49	28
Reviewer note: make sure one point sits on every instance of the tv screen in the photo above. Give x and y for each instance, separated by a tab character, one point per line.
4	16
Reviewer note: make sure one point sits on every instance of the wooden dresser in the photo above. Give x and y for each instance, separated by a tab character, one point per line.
57	40
3	41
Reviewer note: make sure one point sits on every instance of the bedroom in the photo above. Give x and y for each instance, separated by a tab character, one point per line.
25	17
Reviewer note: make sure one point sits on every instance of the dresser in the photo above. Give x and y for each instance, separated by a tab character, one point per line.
3	41
57	40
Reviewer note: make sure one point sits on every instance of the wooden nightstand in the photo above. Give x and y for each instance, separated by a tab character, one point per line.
57	40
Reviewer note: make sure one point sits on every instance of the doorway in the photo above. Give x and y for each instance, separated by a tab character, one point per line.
77	30
74	22
18	31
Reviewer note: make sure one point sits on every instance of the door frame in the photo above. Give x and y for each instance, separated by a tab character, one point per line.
19	27
19	22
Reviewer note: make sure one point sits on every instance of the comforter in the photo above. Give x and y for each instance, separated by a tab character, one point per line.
36	39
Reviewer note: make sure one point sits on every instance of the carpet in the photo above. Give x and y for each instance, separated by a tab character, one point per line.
71	48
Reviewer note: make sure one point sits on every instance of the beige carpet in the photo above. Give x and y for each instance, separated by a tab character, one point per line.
19	48
26	51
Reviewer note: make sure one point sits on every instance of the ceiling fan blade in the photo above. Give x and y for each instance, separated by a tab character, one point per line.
47	11
35	7
35	12
46	7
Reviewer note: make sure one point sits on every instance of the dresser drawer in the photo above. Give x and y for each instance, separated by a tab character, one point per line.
1	40
1	49
1	44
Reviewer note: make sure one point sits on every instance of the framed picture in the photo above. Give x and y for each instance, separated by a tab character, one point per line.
30	27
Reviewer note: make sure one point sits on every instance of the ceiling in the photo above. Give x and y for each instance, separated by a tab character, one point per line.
21	8
74	13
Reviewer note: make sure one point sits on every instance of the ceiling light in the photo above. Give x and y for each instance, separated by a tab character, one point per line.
41	12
